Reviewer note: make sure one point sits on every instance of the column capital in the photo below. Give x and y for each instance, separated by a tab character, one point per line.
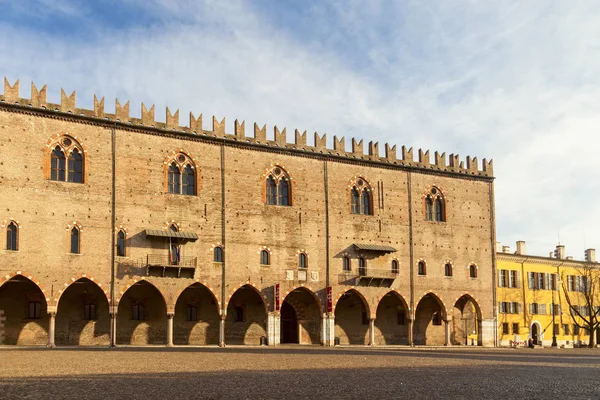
170	314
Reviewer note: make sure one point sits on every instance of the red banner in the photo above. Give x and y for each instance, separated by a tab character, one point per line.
329	299
277	297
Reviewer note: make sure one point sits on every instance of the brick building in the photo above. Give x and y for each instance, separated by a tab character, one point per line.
132	230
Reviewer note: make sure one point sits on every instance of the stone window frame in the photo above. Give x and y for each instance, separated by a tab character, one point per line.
70	227
395	266
302	254
67	143
360	185
278	173
13	243
181	159
433	200
269	253
448	269
473	271
419	263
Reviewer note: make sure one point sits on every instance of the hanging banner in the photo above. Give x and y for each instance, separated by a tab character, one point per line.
329	299
277	297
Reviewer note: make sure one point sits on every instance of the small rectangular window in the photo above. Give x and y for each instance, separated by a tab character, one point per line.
191	313
505	328
89	312
566	329
401	318
575	330
138	312
238	315
35	310
515	327
556	329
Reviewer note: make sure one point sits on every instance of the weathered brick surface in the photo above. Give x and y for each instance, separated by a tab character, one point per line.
46	210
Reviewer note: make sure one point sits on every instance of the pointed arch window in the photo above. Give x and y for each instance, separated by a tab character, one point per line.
346	264
395	268
67	161
218	254
121	244
473	271
75	240
302	260
265	258
57	164
422	268
435	205
75	173
361	197
278	187
448	269
181	175
12	237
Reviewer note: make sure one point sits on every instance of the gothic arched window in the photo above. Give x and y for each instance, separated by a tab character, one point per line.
473	271
121	243
67	161
302	260
395	268
278	187
12	237
346	264
361	197
265	258
448	269
422	268
435	205
181	175
218	254
75	240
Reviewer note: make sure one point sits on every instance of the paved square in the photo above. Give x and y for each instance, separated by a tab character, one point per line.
298	372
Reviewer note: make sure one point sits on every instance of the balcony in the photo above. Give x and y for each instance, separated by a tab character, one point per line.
163	266
368	277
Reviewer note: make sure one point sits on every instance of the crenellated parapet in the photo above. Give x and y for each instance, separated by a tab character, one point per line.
279	139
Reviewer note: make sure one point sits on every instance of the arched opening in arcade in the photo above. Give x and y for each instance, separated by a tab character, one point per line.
246	321
392	320
142	316
82	317
25	312
429	326
352	316
300	318
466	322
196	319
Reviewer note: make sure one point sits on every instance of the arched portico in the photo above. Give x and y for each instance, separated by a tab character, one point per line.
301	317
246	321
82	316
392	320
428	326
352	318
142	315
196	319
466	322
25	311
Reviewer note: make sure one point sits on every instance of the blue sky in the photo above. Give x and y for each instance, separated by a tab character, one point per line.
514	81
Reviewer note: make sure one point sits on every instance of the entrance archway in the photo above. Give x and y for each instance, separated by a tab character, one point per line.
466	322
82	316
142	316
301	317
196	319
391	323
26	312
352	318
536	333
429	321
246	319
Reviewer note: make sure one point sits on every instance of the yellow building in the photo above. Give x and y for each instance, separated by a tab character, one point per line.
531	298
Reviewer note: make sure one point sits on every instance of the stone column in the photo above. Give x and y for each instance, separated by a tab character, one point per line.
447	332
328	330
411	337
222	330
372	331
113	329
170	329
273	329
51	329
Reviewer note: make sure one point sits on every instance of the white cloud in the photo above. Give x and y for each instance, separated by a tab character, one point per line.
515	82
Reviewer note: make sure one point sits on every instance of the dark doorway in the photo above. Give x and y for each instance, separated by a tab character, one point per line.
289	324
534	333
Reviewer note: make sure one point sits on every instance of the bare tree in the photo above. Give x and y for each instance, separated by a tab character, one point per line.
582	293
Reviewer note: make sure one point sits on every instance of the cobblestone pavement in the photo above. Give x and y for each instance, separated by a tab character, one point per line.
298	372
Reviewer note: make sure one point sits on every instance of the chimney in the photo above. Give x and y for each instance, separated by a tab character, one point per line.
520	248
590	255
569	257
559	252
506	249
551	254
498	247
